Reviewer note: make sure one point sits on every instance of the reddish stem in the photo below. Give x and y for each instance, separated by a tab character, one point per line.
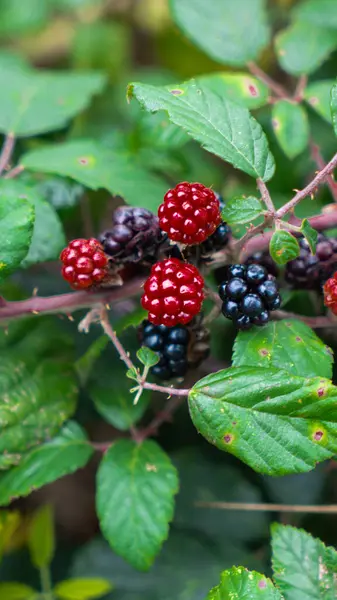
6	152
321	164
14	172
277	88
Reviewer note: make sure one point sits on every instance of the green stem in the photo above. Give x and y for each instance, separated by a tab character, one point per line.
46	584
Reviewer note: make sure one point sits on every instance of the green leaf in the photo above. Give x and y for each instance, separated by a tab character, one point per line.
317	12
310	235
303	566
36	102
302	47
67	452
82	589
318	94
241	88
115	403
291	127
238	584
60	192
220	29
96	166
289	345
86	362
220	126
242	210
147	357
16	591
273	421
283	247
41	537
16	230
137	482
48	237
333	105
18	19
10	522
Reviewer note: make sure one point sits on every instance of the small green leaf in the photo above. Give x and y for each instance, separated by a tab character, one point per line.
41	542
220	126
317	95
238	583
303	566
302	47
35	102
82	589
283	247
147	357
291	127
97	166
333	105
16	230
67	452
132	374
273	421
310	235
317	12
212	27
17	591
10	521
137	482
48	237
240	88
288	345
242	210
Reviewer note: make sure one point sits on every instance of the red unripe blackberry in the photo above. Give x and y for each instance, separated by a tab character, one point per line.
330	293
84	263
173	293
190	213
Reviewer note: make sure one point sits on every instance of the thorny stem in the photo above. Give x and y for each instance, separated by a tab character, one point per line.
293	508
265	195
6	152
321	164
277	88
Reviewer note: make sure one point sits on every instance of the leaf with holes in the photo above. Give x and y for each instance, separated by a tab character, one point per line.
289	345
96	166
310	235
220	126
283	247
238	583
68	451
34	404
317	12
137	482
291	127
273	421
17	218
220	29
241	88
48	236
41	537
317	95
302	47
333	106
303	566
242	210
36	102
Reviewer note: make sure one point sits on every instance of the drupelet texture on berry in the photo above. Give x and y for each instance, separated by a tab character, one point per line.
173	293
190	213
330	293
248	294
84	263
134	236
310	271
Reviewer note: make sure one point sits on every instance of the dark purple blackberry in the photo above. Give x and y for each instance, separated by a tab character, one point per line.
134	236
310	271
248	294
264	259
179	348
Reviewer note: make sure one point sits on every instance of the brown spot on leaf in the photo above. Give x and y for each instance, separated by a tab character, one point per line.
253	90
150	467
298	339
264	352
228	438
276	123
320	392
318	435
176	92
313	101
83	160
234	423
262	584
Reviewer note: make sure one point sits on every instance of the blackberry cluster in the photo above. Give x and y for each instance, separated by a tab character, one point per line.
310	271
171	344
135	235
248	294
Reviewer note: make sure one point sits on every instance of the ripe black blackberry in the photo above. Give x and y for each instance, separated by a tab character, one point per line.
134	236
263	258
310	271
249	294
179	348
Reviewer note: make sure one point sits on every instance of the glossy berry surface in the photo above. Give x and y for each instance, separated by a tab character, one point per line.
173	293
310	271
190	213
171	344
248	293
134	235
263	259
330	293
84	263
